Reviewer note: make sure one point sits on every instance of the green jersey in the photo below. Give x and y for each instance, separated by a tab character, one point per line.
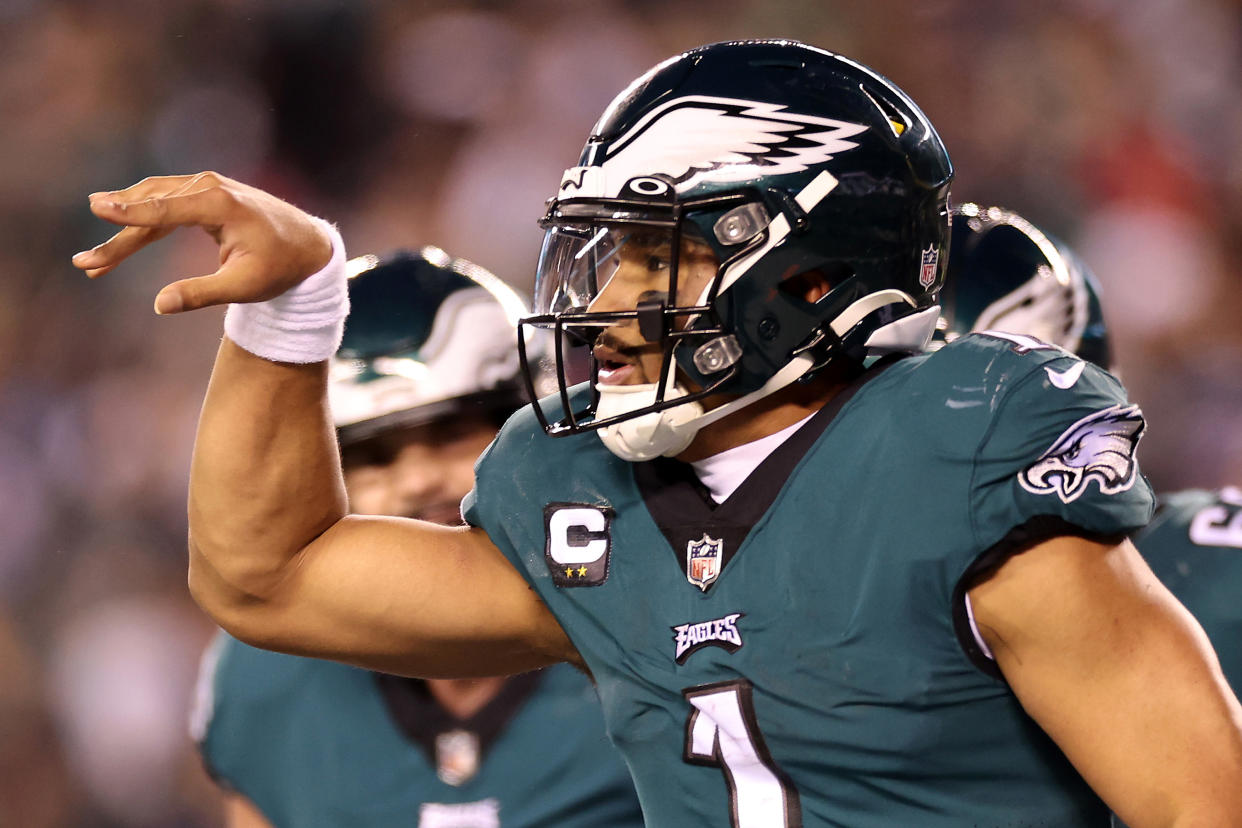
1194	545
316	743
800	654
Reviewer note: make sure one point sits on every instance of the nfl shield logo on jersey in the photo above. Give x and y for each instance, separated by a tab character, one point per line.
703	558
927	274
457	756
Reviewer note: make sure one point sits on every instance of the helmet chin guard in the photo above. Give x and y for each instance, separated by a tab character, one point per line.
664	433
669	432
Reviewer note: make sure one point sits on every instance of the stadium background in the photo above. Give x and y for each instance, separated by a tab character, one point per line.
1114	123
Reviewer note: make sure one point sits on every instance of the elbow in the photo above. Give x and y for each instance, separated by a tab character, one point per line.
234	608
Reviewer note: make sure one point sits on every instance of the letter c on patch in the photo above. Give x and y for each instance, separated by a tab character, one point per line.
577	535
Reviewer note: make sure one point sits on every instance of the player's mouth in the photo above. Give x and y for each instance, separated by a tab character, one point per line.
618	365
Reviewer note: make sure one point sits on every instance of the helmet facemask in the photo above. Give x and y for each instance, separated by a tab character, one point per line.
608	279
605	280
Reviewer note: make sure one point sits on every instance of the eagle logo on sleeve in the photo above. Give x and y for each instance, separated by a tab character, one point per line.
1098	447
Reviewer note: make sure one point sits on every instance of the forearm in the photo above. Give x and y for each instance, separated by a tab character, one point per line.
265	478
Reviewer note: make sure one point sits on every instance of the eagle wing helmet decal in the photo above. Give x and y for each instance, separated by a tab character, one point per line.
698	138
1100	446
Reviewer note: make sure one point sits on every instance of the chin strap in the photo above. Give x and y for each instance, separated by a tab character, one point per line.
669	432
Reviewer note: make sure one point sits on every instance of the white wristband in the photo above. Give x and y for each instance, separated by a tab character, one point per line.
303	324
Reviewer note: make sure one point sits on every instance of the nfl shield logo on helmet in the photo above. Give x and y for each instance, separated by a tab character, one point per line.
703	559
931	258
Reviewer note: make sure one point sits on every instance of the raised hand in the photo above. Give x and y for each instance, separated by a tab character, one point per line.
266	245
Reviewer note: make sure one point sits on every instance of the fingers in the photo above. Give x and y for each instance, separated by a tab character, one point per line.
148	216
207	207
266	244
237	281
158	185
104	257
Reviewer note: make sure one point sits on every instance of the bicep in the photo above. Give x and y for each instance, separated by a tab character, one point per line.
1118	673
408	597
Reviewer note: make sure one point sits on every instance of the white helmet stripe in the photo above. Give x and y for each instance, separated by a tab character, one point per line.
810	195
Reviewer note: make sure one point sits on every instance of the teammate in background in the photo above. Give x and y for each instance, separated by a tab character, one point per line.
1005	274
758	524
425	375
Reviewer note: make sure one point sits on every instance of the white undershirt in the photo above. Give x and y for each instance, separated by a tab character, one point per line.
722	473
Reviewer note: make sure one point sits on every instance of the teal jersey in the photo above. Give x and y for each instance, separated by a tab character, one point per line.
1194	545
316	743
799	655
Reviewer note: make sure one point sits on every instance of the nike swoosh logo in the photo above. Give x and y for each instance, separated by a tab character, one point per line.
1065	379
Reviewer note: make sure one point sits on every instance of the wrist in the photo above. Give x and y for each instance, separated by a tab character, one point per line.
305	323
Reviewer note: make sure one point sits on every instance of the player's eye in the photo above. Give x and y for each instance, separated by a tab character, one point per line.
656	263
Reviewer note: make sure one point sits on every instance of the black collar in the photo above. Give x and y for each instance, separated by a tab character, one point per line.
422	720
682	507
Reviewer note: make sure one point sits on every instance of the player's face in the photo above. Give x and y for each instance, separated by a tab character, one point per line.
637	271
420	472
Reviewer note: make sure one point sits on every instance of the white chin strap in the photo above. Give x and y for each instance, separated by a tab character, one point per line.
669	432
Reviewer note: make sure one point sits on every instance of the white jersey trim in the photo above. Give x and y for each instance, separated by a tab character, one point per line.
974	629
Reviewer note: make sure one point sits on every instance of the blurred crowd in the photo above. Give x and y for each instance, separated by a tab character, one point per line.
1113	123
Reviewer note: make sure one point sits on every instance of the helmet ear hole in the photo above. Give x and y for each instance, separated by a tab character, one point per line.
814	284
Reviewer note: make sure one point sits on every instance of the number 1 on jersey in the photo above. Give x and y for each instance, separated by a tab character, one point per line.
722	732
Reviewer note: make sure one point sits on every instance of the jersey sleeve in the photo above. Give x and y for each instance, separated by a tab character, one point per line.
484	505
214	711
1059	457
510	477
240	710
203	704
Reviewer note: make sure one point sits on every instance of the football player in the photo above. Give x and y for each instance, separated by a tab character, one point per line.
425	375
758	522
1006	274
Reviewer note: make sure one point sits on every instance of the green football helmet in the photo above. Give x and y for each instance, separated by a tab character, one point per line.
771	160
1005	274
428	337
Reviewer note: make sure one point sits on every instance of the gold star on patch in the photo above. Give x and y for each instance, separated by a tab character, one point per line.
582	572
569	572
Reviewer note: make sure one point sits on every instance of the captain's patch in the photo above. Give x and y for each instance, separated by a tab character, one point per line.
1098	447
579	543
719	632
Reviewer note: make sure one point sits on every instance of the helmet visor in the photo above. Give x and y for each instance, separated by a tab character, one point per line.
612	268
